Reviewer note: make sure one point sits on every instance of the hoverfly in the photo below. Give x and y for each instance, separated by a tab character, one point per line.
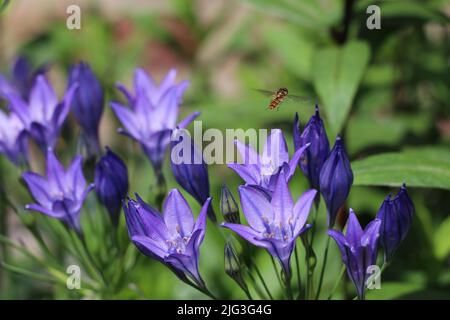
280	95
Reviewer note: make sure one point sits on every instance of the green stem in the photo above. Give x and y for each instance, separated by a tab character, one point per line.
85	256
338	280
203	289
299	279
310	260
3	229
247	293
255	284
322	273
287	282
262	281
276	270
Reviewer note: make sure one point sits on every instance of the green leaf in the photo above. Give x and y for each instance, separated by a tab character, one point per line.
409	9
393	290
418	167
3	4
368	130
337	73
441	239
289	44
310	14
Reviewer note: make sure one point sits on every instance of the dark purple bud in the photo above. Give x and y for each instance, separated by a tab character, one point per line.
229	207
111	183
313	158
336	179
233	267
396	216
87	104
189	168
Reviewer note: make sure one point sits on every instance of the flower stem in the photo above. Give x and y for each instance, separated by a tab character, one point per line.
255	284
299	279
310	260
262	281
276	271
322	273
203	289
338	280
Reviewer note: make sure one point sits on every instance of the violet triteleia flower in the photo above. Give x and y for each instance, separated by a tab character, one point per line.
152	114
312	160
262	170
22	78
358	249
61	193
13	139
144	84
189	168
396	216
172	238
42	116
111	183
87	103
336	179
274	224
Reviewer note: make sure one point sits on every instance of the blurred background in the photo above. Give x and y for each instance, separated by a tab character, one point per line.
386	91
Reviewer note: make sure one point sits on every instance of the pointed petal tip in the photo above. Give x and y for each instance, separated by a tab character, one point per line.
317	114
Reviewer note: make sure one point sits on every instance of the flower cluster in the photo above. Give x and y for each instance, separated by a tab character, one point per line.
275	222
169	233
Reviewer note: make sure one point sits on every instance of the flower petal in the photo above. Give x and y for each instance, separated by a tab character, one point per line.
186	121
200	224
178	215
282	202
294	161
248	173
248	155
257	209
149	247
128	119
275	148
354	231
246	233
75	178
39	188
302	208
43	99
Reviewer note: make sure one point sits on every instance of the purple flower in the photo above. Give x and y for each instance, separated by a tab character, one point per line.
13	139
336	179
22	78
172	238
396	216
42	116
111	183
152	113
312	160
61	193
274	224
262	170
189	168
87	103
358	249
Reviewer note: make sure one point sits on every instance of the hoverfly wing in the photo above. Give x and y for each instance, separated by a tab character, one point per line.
294	98
266	92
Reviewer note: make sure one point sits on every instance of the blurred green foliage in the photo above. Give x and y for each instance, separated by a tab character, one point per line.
386	91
